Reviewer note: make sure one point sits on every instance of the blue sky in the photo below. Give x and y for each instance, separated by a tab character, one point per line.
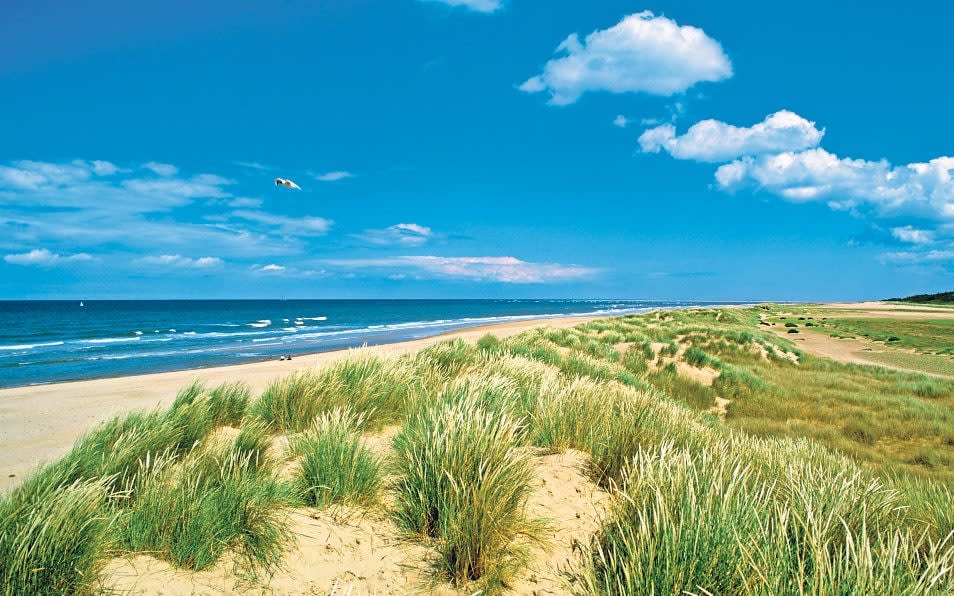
475	148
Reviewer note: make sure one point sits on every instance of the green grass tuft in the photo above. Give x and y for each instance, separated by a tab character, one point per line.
464	483
335	466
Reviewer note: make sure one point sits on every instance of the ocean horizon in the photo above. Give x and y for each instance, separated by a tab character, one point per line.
49	341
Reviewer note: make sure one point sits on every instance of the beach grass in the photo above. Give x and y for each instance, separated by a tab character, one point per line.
815	477
54	544
335	466
365	384
464	482
190	512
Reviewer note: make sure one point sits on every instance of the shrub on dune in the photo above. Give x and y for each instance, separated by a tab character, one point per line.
464	482
335	466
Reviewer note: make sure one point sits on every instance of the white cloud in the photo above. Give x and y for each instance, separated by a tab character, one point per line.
44	257
79	206
925	189
274	269
475	5
181	261
81	184
716	141
254	165
200	186
496	269
642	53
621	121
161	169
305	225
271	268
404	234
333	176
103	168
929	256
913	235
241	202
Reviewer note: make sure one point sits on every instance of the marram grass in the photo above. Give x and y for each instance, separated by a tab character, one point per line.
378	389
764	503
335	466
55	544
189	512
464	482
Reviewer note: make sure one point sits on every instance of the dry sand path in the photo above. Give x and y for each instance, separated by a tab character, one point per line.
41	423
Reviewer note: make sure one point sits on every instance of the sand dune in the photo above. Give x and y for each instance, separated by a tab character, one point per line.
41	423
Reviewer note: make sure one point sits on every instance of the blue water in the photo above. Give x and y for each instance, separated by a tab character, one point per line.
51	341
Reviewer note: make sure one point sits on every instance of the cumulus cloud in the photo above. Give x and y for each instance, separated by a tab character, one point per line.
924	189
486	6
181	261
620	121
642	53
716	141
913	235
333	176
494	269
403	234
781	156
44	257
161	169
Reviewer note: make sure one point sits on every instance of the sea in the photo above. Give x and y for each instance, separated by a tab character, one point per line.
54	341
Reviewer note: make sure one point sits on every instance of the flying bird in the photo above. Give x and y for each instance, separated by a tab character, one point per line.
286	183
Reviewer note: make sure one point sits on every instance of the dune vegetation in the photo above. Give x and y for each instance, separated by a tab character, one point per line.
735	464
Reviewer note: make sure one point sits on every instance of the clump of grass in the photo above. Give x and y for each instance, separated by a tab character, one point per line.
252	444
464	483
189	512
447	358
747	516
675	528
698	357
335	466
54	544
377	388
677	387
930	389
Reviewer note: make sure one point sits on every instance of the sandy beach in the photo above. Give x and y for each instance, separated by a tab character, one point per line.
40	423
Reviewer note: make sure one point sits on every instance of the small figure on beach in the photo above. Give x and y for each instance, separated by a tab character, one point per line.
286	183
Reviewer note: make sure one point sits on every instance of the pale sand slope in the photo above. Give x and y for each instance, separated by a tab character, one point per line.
42	422
890	310
350	551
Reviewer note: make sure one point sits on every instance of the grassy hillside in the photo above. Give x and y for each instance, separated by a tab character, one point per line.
736	464
938	298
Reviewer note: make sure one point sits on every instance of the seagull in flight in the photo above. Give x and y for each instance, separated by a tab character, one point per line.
286	183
